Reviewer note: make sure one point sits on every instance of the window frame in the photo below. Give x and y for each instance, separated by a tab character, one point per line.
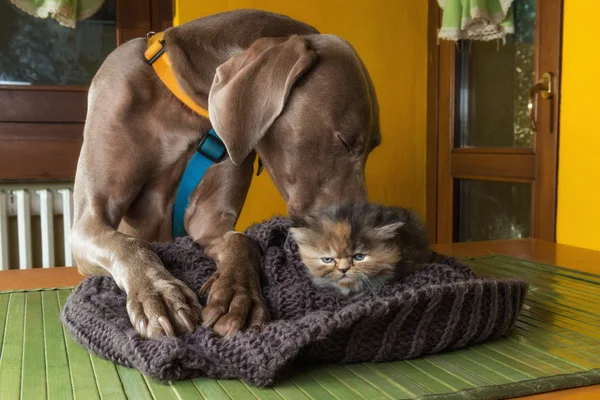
446	163
41	126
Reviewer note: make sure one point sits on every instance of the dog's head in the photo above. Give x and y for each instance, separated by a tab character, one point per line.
308	107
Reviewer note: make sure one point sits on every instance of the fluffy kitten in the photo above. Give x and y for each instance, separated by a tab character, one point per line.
358	247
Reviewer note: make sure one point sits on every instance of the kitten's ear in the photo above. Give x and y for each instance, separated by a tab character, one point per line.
388	231
298	222
304	221
300	235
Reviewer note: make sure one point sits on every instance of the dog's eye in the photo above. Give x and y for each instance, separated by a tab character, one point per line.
327	260
341	139
359	256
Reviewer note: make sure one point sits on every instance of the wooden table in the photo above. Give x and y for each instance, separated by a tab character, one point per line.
528	249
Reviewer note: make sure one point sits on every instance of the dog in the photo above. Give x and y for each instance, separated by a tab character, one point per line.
275	88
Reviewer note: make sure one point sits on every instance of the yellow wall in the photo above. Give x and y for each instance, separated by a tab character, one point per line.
391	38
579	151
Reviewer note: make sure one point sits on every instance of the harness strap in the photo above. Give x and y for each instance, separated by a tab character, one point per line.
160	61
210	150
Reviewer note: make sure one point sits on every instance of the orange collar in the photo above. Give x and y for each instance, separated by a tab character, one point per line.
159	59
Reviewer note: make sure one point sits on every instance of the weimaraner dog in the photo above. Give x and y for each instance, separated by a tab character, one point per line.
273	86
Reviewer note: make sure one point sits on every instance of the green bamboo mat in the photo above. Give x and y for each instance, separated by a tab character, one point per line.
555	344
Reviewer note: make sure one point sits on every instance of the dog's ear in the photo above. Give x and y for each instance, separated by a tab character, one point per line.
250	90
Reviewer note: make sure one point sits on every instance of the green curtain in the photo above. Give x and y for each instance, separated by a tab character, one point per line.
476	19
66	12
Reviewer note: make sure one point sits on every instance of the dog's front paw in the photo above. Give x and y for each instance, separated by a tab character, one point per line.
234	303
162	306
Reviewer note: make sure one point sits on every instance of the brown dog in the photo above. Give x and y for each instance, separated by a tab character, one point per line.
273	86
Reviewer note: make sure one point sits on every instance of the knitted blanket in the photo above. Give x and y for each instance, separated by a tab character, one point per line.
441	306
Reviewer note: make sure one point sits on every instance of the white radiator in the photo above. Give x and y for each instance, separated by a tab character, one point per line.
25	203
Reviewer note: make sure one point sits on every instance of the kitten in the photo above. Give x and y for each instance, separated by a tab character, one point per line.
359	247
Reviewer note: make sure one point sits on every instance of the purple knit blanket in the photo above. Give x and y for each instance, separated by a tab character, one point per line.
441	306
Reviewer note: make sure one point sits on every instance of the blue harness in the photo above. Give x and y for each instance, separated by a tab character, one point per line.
210	150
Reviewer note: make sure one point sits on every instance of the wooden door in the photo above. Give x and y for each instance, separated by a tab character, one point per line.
45	71
493	174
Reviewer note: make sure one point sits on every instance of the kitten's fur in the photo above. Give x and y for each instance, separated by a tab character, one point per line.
332	242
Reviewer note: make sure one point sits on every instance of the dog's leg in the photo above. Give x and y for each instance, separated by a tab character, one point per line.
234	295
157	303
235	300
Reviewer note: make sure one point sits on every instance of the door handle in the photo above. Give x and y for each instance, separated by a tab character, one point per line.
545	89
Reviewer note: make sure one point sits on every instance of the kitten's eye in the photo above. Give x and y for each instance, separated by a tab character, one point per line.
359	256
327	260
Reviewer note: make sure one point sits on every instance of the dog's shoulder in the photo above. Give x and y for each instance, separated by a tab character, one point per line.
126	58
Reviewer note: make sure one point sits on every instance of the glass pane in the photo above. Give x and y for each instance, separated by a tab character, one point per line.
36	51
493	210
494	86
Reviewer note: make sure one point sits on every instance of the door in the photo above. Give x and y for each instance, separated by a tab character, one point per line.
497	131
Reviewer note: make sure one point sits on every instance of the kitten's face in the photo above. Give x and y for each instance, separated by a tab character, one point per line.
344	254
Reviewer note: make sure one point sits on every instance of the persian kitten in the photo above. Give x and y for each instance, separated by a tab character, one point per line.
358	247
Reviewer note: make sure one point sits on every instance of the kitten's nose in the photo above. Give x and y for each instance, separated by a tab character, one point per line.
343	268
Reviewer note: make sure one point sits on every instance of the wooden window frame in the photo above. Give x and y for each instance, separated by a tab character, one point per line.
446	163
41	127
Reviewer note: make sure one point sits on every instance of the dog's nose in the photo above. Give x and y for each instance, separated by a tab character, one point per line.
294	208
